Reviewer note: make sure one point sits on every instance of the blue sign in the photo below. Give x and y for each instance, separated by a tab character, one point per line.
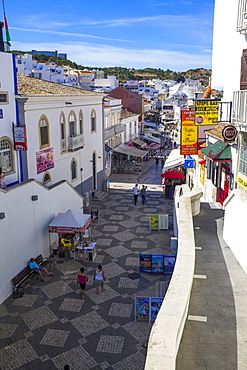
188	163
1	113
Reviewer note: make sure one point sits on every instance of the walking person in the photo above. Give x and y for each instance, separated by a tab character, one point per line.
82	279
143	194
135	192
99	278
156	161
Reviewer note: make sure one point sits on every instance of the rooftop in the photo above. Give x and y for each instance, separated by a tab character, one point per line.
33	86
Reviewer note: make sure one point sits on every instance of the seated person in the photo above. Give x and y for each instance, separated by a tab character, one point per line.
36	268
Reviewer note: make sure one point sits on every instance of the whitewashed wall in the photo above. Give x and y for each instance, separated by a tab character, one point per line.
24	231
52	107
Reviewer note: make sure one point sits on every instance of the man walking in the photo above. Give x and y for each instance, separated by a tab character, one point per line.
135	192
143	194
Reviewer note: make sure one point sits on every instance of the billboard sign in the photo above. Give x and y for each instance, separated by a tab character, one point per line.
189	135
206	112
44	160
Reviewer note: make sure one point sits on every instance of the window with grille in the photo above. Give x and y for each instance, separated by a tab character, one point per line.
44	132
72	129
3	97
6	159
93	121
73	170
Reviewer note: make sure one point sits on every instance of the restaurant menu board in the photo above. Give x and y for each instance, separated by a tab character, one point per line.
158	263
155	304
163	222
95	214
145	262
169	263
142	309
154	222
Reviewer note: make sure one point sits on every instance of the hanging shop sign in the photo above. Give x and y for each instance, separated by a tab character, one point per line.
44	160
20	138
229	133
206	112
189	133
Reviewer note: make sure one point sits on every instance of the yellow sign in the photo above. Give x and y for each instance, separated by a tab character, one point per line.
189	135
206	112
242	181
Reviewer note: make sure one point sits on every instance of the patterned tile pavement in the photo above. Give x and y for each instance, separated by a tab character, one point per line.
51	325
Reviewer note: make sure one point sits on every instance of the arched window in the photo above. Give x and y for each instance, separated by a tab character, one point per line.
62	132
6	155
72	125
73	169
44	132
93	121
47	178
81	123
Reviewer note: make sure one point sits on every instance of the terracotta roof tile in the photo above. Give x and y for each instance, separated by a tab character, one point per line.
33	86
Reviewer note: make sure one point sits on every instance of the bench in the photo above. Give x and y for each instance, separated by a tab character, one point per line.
20	279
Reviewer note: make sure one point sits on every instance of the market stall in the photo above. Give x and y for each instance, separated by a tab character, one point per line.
75	232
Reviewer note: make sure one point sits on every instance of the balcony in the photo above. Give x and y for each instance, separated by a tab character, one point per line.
63	145
239	109
119	129
109	133
75	142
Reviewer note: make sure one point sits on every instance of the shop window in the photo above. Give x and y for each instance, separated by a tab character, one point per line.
73	170
44	132
6	155
93	121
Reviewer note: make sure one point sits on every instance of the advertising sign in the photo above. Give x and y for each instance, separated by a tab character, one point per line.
20	139
155	304
206	112
189	133
44	160
158	263
145	262
95	214
163	222
229	133
169	263
242	181
154	222
142	309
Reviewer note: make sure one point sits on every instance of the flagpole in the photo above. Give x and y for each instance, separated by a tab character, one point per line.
8	38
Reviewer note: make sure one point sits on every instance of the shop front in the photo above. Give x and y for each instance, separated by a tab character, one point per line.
127	159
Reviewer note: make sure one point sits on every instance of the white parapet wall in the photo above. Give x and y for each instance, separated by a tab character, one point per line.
234	234
168	327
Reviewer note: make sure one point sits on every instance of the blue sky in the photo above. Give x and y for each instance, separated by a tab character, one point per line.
174	34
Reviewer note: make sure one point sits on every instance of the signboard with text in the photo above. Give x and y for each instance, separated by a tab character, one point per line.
44	160
189	135
20	138
206	112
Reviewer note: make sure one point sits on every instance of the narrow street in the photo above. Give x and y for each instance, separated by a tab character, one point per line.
51	325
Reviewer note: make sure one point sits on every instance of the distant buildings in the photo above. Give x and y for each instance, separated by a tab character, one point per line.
50	53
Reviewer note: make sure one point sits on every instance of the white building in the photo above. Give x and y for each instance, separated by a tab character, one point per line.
229	74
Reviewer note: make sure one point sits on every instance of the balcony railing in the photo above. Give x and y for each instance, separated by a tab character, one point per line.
239	108
109	132
63	145
119	129
76	142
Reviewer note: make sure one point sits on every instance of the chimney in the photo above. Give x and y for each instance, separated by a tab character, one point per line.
1	37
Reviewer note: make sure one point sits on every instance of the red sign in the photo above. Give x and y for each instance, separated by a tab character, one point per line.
20	138
229	133
189	134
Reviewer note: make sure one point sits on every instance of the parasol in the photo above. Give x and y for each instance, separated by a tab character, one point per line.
154	146
173	175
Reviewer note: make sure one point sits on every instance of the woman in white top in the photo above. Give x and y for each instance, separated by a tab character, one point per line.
99	278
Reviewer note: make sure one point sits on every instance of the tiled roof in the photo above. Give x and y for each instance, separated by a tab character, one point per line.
29	86
126	114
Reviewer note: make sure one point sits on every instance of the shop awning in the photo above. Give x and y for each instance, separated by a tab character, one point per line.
218	152
174	159
151	138
69	222
139	142
108	149
130	150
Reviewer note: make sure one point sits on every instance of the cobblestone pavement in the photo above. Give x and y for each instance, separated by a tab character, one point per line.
51	325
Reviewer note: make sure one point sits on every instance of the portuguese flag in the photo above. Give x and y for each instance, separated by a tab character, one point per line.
8	39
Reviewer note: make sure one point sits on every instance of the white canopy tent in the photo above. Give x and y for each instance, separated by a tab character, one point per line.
69	222
130	150
174	159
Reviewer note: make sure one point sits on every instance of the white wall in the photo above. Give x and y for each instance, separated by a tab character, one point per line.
227	48
24	231
52	107
234	232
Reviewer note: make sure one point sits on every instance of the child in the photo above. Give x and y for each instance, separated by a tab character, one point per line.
82	280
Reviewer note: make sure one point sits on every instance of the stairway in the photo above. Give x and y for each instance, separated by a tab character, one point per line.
99	195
